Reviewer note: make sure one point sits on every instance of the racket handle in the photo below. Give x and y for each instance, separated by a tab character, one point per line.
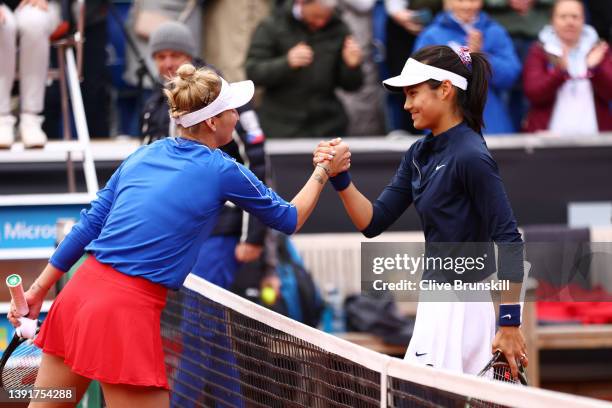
27	328
15	286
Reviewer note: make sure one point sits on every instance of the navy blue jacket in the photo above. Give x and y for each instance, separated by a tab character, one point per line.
455	186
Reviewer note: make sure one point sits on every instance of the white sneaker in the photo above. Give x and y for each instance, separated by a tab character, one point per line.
30	130
7	131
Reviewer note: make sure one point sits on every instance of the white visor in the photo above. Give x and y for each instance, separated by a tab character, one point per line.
232	96
415	72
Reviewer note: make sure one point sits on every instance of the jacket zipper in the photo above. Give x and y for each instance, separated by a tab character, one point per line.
418	170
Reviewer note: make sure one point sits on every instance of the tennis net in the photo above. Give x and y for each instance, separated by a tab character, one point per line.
222	350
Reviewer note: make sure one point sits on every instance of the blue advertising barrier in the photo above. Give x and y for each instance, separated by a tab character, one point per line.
24	227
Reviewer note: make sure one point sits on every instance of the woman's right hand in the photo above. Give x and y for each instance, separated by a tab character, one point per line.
334	154
560	61
475	39
325	151
34	298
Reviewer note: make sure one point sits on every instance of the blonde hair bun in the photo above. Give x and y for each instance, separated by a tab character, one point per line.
191	89
186	72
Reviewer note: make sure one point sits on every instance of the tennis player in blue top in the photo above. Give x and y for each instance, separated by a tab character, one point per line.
454	183
142	234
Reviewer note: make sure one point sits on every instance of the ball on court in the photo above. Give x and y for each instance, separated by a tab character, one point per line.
268	295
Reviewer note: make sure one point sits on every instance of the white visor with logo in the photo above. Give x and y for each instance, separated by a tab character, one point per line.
415	72
232	96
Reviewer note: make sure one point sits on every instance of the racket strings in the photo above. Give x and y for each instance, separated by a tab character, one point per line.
502	372
21	367
498	369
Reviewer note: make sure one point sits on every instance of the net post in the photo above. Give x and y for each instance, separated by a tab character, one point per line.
384	378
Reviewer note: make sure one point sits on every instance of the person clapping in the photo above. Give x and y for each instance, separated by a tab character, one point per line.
568	76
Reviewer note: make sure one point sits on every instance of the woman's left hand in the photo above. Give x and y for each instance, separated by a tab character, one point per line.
41	4
341	161
597	54
511	342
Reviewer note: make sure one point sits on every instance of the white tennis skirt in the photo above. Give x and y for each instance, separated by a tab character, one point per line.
455	336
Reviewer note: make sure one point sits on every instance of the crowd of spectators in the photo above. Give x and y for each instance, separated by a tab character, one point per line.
318	63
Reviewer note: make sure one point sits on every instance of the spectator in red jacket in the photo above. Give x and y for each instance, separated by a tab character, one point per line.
568	76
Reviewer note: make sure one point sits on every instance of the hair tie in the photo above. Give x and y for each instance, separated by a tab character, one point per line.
464	56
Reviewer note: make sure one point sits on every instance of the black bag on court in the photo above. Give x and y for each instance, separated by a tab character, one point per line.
379	316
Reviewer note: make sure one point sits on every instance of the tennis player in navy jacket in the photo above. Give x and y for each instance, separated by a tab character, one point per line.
454	183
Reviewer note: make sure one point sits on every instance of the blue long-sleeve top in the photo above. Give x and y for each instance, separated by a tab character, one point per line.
160	205
497	46
458	193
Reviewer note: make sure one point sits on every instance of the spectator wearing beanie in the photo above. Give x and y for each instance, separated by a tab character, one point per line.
170	46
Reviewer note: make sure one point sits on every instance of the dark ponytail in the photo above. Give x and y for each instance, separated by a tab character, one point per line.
472	101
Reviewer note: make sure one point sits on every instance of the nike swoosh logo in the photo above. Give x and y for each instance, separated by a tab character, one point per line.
419	354
440	166
507	316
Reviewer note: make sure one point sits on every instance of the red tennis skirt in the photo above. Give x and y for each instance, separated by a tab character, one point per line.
106	326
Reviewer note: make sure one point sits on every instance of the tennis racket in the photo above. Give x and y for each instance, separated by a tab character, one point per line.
499	369
19	363
21	359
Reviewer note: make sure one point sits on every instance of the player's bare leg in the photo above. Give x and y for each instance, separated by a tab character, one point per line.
127	396
54	373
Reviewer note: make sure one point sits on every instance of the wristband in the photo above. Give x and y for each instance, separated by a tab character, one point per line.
341	181
510	315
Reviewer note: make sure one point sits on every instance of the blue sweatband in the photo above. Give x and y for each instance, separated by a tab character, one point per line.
510	315
341	181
